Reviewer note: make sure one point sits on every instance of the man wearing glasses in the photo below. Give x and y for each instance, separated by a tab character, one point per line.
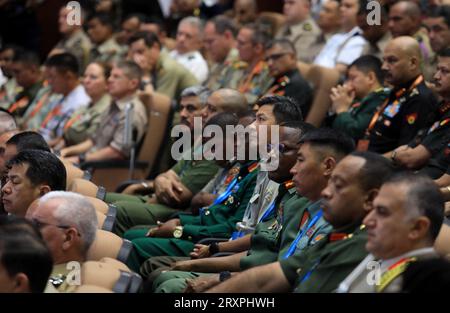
68	224
281	58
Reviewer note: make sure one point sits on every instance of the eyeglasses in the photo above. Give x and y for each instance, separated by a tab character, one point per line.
275	56
41	225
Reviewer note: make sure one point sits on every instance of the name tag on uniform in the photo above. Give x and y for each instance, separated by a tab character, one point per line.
254	198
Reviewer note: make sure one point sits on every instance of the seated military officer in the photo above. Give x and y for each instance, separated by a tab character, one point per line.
428	150
25	261
355	102
406	218
409	104
109	141
31	174
101	31
26	69
348	197
68	224
280	57
282	234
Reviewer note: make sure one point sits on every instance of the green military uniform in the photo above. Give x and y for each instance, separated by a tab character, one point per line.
213	81
79	45
85	121
134	210
220	182
171	78
216	221
252	82
57	282
320	268
24	99
8	93
270	242
107	52
303	35
355	121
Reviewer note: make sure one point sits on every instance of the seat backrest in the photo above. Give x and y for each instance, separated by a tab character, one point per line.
106	244
159	108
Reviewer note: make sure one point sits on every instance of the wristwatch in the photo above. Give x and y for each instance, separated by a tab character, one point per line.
213	248
178	232
223	276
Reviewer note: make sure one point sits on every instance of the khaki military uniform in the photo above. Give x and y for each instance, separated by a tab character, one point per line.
252	82
171	78
111	131
59	280
85	121
214	78
79	45
8	93
303	35
107	52
388	279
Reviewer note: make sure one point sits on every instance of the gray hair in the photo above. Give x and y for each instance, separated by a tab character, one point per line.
75	210
193	21
7	122
197	91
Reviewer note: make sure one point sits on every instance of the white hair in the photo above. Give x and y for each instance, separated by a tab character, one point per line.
7	123
193	21
77	211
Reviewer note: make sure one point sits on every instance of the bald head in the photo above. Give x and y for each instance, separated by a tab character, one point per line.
402	60
404	18
225	100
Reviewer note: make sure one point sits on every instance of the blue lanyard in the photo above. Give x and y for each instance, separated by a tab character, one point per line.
293	246
268	212
227	192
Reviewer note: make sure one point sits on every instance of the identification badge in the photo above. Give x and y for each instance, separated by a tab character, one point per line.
254	198
363	145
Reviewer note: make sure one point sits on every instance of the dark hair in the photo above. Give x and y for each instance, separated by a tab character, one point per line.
44	168
104	19
222	120
140	16
16	49
424	195
367	64
131	69
441	11
375	171
340	143
303	126
286	44
149	38
28	140
445	53
364	10
248	113
223	23
22	250
259	36
64	62
28	58
284	108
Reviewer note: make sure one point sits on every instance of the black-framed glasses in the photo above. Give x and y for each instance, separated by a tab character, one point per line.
41	225
275	56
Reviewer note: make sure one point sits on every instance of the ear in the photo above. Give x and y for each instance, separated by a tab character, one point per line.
21	283
329	163
368	202
258	48
372	77
133	84
420	228
415	62
44	189
71	237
